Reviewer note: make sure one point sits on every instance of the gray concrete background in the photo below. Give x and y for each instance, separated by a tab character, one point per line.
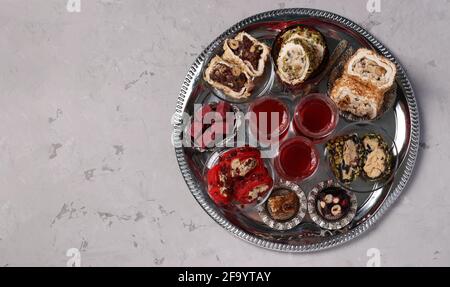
85	154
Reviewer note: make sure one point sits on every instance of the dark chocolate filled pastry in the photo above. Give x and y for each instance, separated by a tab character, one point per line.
228	77
283	204
247	52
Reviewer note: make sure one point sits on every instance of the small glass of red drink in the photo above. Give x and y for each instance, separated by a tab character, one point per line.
269	120
316	117
297	159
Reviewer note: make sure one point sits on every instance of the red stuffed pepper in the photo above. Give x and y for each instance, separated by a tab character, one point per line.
242	151
239	176
220	195
253	187
219	175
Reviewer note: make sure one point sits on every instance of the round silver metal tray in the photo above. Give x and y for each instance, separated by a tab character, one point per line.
401	122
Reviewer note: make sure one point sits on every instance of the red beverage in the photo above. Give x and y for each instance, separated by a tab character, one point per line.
269	119
297	159
316	117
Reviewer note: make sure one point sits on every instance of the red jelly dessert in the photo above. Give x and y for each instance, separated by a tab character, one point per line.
316	117
211	123
240	175
269	119
297	159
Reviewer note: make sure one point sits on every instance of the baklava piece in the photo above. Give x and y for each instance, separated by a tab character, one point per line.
283	204
365	80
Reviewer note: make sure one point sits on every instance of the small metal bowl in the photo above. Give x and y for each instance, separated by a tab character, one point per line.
330	224
294	221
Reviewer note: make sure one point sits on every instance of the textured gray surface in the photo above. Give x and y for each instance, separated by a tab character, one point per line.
85	154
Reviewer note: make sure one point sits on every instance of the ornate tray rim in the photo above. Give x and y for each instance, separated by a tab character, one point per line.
408	162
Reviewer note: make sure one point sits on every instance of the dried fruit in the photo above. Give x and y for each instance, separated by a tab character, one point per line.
333	203
336	210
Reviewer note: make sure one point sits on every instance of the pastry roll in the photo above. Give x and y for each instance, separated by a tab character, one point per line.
371	68
295	61
356	97
229	78
312	37
247	52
